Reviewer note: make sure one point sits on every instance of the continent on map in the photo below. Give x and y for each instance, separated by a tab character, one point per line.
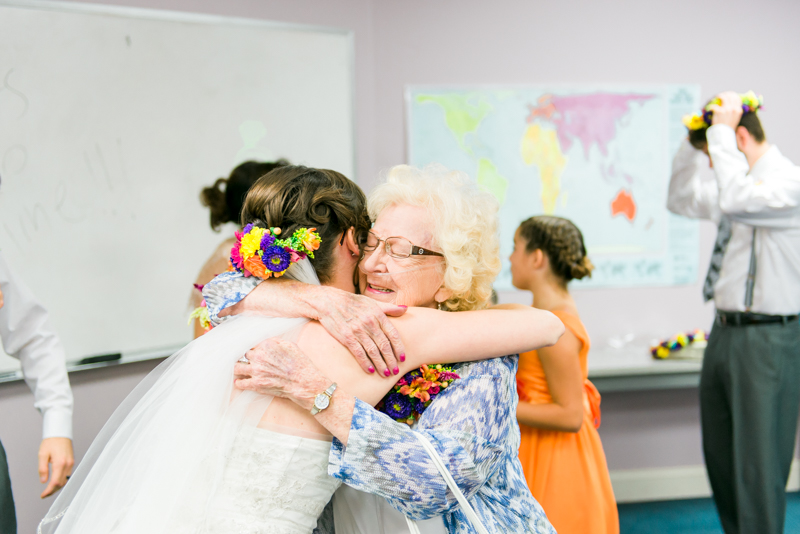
590	118
540	147
490	180
623	204
461	115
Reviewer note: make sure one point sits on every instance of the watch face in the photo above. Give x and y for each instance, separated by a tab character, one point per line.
321	401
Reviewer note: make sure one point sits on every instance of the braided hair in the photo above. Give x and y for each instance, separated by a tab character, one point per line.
562	241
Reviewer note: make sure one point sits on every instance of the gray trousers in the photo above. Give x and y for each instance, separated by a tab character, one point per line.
749	400
8	517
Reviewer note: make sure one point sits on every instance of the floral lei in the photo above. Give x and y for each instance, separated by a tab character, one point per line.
259	252
697	338
413	393
751	103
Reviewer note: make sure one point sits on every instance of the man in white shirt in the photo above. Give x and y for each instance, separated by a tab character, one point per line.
750	382
26	334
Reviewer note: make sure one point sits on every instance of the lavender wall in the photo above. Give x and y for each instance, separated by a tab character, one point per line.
721	45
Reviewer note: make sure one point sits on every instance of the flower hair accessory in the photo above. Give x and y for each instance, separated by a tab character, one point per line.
413	393
751	103
259	252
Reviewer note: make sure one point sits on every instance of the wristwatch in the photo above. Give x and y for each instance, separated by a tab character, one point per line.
323	400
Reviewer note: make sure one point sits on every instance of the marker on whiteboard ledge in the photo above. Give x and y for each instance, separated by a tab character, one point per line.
101	358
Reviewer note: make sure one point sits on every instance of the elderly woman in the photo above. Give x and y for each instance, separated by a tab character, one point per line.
421	217
185	453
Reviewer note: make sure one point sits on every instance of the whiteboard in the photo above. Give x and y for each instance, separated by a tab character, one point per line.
113	119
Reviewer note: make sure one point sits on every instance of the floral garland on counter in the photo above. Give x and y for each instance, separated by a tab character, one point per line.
413	393
697	339
751	103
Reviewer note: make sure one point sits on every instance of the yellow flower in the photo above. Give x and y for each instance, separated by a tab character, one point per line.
251	242
752	100
694	122
662	352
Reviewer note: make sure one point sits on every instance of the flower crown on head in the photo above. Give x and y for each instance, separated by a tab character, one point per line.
751	103
259	252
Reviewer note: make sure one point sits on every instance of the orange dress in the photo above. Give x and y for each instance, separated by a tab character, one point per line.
566	471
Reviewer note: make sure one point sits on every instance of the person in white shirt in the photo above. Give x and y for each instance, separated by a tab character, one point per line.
26	334
750	381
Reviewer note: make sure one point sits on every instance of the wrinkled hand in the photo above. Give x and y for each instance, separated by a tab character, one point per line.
56	453
278	367
729	111
357	322
361	324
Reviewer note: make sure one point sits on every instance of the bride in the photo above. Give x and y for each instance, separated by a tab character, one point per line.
186	452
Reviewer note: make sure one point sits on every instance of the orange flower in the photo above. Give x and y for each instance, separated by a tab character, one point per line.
255	266
418	388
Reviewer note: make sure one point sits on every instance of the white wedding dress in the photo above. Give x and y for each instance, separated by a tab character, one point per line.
184	454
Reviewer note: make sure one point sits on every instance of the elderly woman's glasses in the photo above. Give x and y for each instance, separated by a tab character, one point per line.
397	247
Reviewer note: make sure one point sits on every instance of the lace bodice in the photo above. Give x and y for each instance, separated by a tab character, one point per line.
273	484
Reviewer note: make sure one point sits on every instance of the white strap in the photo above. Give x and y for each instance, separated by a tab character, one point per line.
437	461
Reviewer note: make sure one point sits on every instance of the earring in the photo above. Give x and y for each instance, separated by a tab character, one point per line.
440	306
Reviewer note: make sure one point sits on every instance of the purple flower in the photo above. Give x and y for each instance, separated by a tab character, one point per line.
397	406
276	259
247	228
447	375
267	241
409	377
421	406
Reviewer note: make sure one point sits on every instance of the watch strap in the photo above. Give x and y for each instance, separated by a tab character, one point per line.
328	393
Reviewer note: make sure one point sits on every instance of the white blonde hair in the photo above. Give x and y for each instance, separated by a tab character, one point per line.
465	226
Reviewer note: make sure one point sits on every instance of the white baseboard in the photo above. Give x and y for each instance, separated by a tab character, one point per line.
670	483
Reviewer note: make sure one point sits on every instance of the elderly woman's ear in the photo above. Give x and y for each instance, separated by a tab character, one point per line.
443	295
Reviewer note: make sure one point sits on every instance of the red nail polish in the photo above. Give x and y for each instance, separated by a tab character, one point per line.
371	369
402	357
387	373
396	370
401	306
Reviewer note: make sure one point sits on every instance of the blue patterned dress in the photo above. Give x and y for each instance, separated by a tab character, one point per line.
473	426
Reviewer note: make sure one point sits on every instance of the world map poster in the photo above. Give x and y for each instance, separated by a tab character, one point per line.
598	155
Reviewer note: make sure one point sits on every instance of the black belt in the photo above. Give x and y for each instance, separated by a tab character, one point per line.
747	318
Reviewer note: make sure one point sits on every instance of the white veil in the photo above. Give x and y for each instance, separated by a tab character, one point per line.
159	459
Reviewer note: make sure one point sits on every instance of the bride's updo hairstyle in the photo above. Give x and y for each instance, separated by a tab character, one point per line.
463	222
294	196
562	241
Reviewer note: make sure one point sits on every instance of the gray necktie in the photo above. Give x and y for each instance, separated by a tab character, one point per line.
723	238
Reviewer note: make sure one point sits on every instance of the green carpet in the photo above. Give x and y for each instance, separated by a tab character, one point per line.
691	516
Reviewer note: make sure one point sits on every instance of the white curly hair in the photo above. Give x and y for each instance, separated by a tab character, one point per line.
465	226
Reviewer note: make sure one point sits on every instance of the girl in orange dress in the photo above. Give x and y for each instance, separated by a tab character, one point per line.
559	409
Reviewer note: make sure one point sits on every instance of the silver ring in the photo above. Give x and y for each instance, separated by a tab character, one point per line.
243	359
